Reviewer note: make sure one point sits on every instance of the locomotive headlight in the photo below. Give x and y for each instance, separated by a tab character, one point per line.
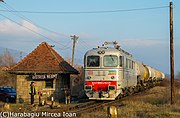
112	77
111	87
87	87
101	52
88	77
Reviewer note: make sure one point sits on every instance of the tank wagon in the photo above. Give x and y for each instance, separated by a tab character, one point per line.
111	72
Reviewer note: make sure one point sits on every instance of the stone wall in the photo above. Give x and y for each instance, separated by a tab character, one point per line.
23	87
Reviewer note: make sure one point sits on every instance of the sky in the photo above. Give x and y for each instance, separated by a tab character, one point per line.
142	32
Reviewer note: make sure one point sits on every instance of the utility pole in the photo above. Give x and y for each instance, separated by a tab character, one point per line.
74	38
20	55
172	53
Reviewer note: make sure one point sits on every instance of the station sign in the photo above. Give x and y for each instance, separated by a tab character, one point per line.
46	76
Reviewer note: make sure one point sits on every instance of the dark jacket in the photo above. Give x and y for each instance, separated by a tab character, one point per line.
32	90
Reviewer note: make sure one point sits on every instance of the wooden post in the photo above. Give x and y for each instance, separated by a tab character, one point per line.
172	53
112	112
52	103
74	38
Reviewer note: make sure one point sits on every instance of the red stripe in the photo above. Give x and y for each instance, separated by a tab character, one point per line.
100	85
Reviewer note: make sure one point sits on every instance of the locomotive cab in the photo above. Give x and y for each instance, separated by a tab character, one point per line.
101	73
104	73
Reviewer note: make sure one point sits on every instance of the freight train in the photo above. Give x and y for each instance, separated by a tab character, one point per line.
111	72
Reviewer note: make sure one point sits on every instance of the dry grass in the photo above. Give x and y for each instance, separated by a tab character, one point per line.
153	103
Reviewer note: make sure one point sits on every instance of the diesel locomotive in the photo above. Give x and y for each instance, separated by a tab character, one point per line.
111	72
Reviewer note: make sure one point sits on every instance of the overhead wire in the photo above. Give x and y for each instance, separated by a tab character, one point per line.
28	20
30	29
76	49
67	46
34	32
82	45
87	12
85	43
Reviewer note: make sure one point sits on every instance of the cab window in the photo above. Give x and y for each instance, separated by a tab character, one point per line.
127	62
110	61
121	59
93	61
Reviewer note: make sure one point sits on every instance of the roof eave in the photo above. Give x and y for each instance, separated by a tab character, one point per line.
40	72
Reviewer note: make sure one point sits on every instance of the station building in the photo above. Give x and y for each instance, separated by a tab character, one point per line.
47	69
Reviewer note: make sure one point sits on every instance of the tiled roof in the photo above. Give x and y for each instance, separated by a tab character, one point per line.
44	59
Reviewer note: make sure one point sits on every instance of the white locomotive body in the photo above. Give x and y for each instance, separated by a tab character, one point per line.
111	72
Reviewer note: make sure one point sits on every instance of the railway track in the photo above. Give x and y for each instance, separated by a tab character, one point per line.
94	105
74	106
91	106
81	108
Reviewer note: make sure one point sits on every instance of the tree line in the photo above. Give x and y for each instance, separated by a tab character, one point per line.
7	61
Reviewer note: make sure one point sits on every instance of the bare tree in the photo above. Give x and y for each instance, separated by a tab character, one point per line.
7	59
7	79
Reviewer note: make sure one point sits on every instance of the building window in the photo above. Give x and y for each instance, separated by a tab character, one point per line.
49	83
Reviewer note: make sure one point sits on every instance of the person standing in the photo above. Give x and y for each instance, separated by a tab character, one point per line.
67	94
32	92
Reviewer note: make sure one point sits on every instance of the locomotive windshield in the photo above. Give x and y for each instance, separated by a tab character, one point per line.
93	61
110	61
